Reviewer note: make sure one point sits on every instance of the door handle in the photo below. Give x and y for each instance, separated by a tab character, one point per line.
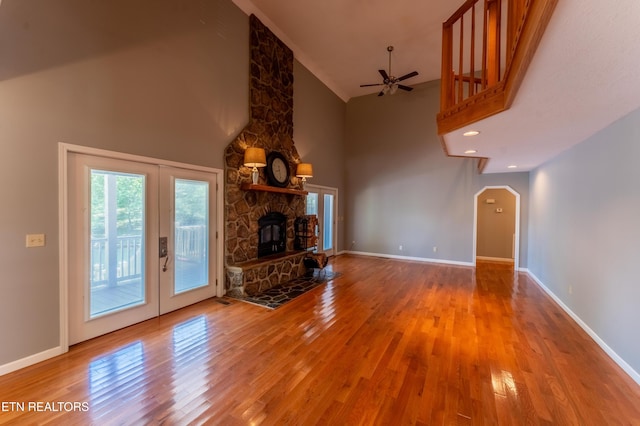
164	247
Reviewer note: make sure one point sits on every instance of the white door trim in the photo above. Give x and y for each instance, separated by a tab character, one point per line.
516	256
64	149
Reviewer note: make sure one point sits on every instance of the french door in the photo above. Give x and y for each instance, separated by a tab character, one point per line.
187	203
323	202
139	239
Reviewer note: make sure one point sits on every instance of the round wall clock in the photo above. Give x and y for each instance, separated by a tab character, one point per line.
277	169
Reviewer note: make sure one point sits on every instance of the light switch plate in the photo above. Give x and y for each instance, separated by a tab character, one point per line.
35	240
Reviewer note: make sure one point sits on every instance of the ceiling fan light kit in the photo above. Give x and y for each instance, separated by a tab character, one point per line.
391	83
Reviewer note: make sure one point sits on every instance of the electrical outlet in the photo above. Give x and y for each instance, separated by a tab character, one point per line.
35	240
400	247
435	249
570	289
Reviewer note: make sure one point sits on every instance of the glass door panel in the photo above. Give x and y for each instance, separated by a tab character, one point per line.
327	224
117	224
312	203
311	208
191	233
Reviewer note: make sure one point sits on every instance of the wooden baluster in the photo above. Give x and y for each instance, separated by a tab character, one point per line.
484	47
453	88
493	11
447	97
461	61
472	61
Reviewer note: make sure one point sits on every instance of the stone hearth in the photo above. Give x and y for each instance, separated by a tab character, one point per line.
254	277
270	127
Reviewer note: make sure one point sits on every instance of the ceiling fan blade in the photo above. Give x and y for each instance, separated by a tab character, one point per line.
384	74
404	77
407	88
368	85
381	93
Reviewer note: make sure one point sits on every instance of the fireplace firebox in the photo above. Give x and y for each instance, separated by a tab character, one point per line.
272	234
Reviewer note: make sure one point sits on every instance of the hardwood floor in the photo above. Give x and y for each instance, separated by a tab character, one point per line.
388	342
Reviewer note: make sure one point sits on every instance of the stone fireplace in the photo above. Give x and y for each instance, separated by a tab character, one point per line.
252	267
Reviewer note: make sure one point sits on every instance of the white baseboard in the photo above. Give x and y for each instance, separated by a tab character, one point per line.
416	259
614	356
30	360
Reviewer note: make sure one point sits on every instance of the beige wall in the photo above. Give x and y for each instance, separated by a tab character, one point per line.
584	236
401	187
317	142
496	229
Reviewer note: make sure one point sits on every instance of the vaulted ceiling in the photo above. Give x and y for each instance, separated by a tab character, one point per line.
582	78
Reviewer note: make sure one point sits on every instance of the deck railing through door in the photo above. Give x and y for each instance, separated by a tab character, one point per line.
190	246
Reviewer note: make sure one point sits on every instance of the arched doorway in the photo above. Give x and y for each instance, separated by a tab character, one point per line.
496	225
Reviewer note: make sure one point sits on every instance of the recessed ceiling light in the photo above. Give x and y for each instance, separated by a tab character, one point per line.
471	133
470	151
513	166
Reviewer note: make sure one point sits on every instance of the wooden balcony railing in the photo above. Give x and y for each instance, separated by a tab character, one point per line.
487	46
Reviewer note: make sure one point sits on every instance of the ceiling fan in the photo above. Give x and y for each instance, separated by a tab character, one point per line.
390	82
